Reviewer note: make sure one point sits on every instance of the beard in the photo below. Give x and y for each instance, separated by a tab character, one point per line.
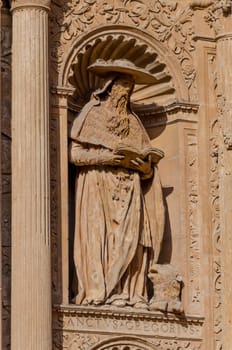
119	123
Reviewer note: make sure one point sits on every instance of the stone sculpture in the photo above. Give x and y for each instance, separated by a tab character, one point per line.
119	206
167	288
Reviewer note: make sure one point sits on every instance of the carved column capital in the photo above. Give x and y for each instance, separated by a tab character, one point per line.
21	4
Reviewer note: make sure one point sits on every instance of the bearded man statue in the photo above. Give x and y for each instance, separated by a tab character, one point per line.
119	213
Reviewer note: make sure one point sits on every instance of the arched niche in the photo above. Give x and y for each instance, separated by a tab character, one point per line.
152	103
114	42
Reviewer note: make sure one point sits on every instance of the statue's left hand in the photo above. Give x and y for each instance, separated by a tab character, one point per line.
144	166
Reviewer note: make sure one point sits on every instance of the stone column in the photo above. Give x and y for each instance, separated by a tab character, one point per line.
31	266
224	95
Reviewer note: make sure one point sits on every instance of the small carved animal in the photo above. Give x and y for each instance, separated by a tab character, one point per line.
167	283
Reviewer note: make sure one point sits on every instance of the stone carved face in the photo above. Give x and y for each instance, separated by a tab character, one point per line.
122	88
119	97
126	82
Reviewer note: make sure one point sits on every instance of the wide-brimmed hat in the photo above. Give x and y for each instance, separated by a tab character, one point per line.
108	68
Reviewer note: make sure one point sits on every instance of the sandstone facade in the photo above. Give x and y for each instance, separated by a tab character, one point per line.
46	47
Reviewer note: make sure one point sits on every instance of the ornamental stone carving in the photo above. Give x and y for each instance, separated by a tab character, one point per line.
115	44
218	14
169	22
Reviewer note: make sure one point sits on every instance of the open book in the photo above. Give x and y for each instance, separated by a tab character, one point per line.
132	153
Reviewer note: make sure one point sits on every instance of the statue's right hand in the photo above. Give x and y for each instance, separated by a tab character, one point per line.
112	159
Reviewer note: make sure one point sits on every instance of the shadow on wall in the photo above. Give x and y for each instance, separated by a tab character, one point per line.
166	250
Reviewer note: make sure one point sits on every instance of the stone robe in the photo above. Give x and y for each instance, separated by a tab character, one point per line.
119	213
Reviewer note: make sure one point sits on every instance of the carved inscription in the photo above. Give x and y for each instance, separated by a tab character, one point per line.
107	322
129	326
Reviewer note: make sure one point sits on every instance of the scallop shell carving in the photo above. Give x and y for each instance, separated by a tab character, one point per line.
116	47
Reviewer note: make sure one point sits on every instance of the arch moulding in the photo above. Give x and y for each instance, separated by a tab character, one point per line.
124	343
121	41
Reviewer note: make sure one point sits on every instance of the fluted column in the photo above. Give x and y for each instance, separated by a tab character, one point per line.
31	270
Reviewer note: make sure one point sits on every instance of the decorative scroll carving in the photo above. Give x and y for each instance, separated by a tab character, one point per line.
216	13
70	341
215	154
224	93
81	341
216	231
169	21
162	344
192	214
200	4
74	18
